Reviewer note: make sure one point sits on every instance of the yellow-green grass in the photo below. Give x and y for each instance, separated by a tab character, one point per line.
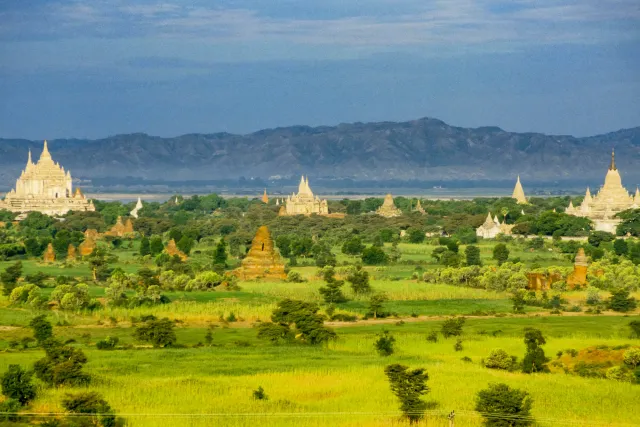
343	384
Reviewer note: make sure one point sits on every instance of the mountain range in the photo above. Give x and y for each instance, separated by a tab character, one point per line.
423	149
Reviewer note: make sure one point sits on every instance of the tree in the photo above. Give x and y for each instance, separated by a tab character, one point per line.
259	394
283	243
185	244
534	358
145	248
353	246
597	237
62	365
408	386
458	345
621	301
517	297
16	384
450	259
632	357
635	328
376	305
374	255
502	406
9	277
304	317
500	253
220	254
359	280
472	254
98	411
384	343
332	292
155	245
452	327
416	235
159	332
500	359
42	329
620	247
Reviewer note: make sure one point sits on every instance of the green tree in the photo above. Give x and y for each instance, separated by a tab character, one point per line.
185	244
452	327
416	235
472	254
500	253
145	248
62	365
159	332
502	406
42	329
283	242
517	297
304	317
332	292
220	254
374	255
98	412
597	237
408	386
359	280
9	277
353	246
534	358
376	305
155	245
384	343
500	359
621	301
620	247
16	384
635	328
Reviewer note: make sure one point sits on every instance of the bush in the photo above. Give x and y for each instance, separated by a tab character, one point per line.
502	406
301	315
621	302
9	409
294	277
458	345
259	394
635	328
62	365
534	359
374	255
109	343
619	373
452	327
160	332
499	359
632	357
42	329
16	384
359	280
432	336
384	344
98	411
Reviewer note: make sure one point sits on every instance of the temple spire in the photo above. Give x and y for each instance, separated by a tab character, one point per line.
518	193
29	158
45	152
612	167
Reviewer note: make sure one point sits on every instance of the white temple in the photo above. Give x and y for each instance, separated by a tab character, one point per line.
492	227
611	199
45	187
304	203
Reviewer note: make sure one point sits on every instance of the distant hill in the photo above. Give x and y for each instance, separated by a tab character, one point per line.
424	149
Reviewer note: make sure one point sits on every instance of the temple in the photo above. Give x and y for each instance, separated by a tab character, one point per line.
304	203
388	208
265	198
492	227
136	209
419	207
45	187
518	193
611	199
263	261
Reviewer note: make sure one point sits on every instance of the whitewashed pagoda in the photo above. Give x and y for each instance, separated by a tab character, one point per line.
304	202
136	209
611	199
518	193
45	187
492	227
388	208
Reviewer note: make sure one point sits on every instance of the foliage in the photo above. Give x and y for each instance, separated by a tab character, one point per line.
353	246
109	343
458	345
503	406
384	343
632	357
376	306
304	317
332	292
259	394
359	280
635	328
534	358
158	332
9	277
408	386
374	255
98	411
500	359
621	301
274	332
71	297
416	235
220	254
294	277
452	327
145	248
42	329
472	255
62	365
500	253
16	384
432	336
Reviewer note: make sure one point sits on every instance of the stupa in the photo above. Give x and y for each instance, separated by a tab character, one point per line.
518	193
172	249
388	208
611	199
262	261
71	252
578	276
265	198
89	244
492	227
136	209
49	254
121	229
45	187
304	202
419	207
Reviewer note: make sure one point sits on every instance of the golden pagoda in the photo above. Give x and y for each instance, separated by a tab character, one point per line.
262	260
265	198
419	207
388	208
611	199
304	202
45	187
518	193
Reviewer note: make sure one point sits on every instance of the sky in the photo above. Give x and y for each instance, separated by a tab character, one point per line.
91	69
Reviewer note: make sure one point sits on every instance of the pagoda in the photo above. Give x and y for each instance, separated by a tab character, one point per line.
388	208
45	187
518	193
492	227
304	202
263	261
611	199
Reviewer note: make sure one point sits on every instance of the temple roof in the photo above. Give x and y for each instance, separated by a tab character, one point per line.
612	166
518	192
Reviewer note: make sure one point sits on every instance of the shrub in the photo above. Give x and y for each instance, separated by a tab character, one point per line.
9	409
376	306
500	253
16	384
619	373
332	292
98	411
384	344
458	345
635	328
499	359
621	302
274	332
359	280
452	327
432	336
62	365
632	357
160	332
294	277
259	394
42	329
303	316
109	343
503	406
374	255
408	386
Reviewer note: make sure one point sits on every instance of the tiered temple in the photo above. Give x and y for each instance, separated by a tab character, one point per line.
518	193
388	208
611	199
262	260
304	203
45	187
492	227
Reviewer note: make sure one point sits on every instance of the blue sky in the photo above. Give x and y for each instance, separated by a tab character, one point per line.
102	67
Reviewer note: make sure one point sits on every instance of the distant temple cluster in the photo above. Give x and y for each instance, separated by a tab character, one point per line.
304	203
611	199
45	187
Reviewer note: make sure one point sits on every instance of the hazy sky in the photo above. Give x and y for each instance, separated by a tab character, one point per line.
102	67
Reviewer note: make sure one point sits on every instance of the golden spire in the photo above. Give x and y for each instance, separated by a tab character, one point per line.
518	193
45	152
265	198
612	167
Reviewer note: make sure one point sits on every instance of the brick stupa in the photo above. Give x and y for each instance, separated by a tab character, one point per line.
578	278
89	244
262	261
121	229
49	254
71	252
172	249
